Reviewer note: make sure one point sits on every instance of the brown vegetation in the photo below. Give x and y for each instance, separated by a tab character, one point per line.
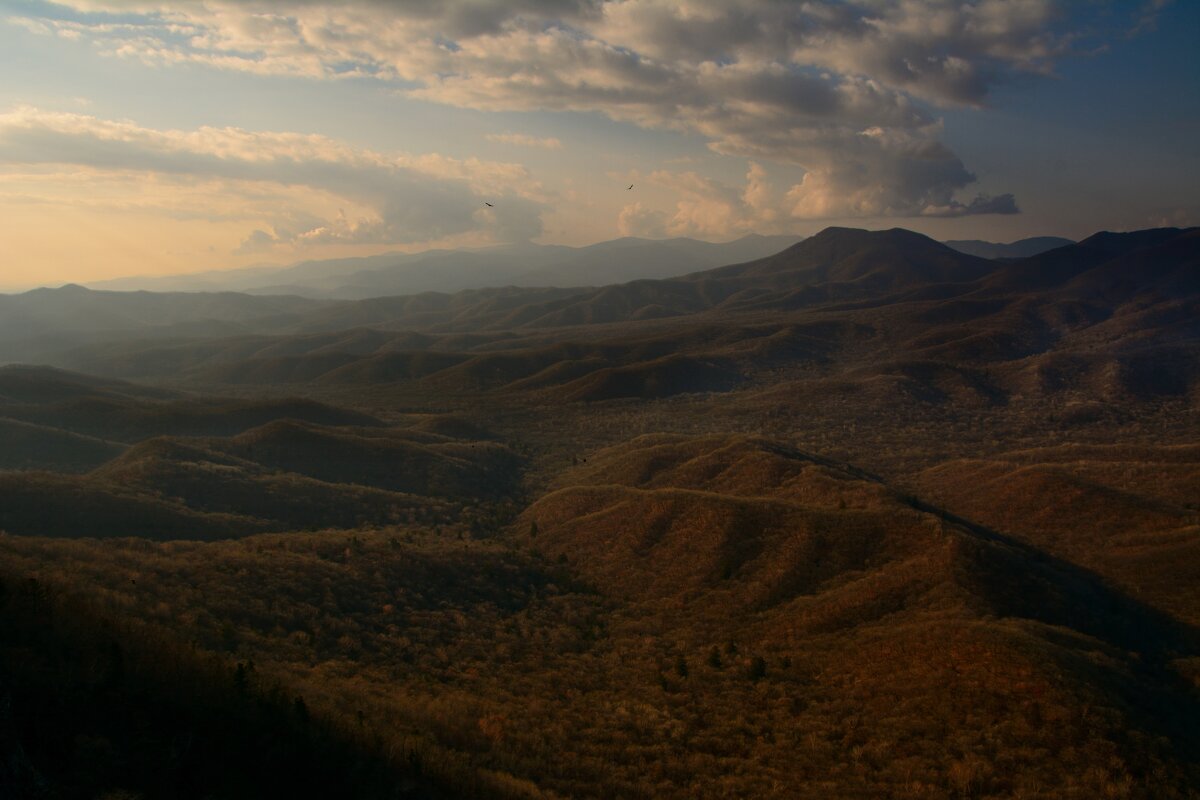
867	518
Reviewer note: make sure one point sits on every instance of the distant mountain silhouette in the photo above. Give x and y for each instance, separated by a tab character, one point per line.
524	264
1022	248
941	322
836	264
43	321
1056	267
880	259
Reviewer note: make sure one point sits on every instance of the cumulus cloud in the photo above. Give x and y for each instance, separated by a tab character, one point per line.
524	140
846	90
881	172
259	241
637	220
401	198
706	207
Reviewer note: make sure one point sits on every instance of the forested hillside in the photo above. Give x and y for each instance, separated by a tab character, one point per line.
868	517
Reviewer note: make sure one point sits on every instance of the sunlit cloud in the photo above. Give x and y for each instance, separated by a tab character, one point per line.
705	207
283	178
524	140
636	219
846	91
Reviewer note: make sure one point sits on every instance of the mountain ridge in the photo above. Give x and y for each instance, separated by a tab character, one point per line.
442	270
1022	248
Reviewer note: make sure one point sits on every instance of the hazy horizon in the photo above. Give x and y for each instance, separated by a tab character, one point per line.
270	267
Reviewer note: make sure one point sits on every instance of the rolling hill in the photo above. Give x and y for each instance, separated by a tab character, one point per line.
864	517
179	466
771	607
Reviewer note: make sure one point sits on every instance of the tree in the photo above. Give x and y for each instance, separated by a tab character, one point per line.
239	678
681	667
714	658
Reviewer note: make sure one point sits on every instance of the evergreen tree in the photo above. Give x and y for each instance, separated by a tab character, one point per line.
714	658
681	667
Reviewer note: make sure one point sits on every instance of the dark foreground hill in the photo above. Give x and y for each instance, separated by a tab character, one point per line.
96	706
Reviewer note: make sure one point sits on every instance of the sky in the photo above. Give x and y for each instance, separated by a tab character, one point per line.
148	138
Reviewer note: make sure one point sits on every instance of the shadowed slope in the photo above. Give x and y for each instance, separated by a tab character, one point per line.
29	446
125	420
102	707
383	458
20	383
1131	514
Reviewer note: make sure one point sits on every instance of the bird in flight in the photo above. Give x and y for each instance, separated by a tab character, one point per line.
489	205
630	186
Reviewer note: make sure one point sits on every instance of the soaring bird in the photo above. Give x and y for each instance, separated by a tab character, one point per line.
630	186
489	205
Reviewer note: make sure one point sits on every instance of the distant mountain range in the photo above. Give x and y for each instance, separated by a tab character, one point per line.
524	264
1019	249
820	295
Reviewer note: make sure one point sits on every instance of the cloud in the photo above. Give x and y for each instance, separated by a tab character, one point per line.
1174	218
983	204
1147	18
845	90
709	208
882	172
759	195
637	220
259	241
395	197
523	140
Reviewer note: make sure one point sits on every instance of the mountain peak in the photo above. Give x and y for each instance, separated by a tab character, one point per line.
865	234
890	257
65	289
